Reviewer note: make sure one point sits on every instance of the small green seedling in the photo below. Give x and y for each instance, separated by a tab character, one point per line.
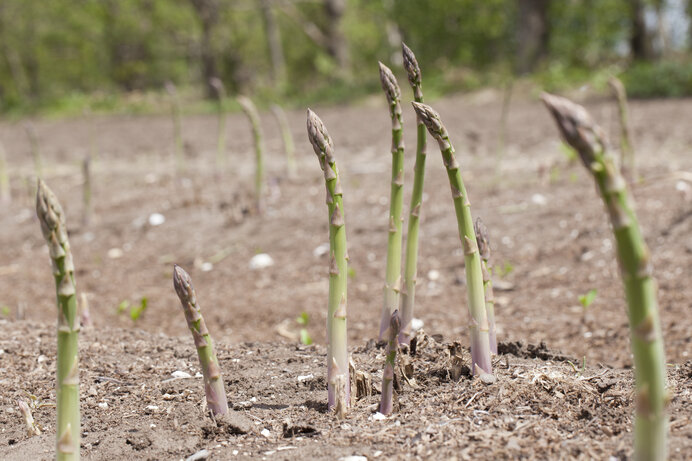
505	269
579	372
303	320
5	311
587	299
135	310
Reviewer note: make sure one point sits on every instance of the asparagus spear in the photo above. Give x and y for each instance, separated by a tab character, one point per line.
5	191
213	381
627	161
86	191
251	112
287	137
393	275
480	344
337	351
386	403
176	113
408	291
220	89
484	250
52	220
581	132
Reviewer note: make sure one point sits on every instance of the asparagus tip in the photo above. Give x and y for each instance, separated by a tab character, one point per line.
389	84
576	127
411	65
318	135
181	282
431	119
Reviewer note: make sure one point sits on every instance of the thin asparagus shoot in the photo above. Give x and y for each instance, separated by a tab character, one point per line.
5	191
213	381
484	250
479	328
31	427
408	291
251	113
387	401
392	285
52	219
580	131
87	208
220	89
627	160
289	146
338	383
176	114
35	149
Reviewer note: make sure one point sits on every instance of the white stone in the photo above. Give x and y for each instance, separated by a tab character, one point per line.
539	199
433	275
181	374
115	253
266	433
416	324
260	261
156	219
302	378
321	250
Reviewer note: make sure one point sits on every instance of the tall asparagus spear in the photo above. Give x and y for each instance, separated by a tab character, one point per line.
287	137
52	220
627	160
386	403
396	199
480	344
408	291
176	114
5	191
484	250
220	89
337	351
581	132
213	381
251	112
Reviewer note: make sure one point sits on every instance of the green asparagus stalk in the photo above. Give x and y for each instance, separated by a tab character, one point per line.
484	250
35	149
337	351
480	344
220	89
287	137
392	285
5	191
651	421
52	220
176	113
408	291
386	403
627	160
213	381
251	113
86	190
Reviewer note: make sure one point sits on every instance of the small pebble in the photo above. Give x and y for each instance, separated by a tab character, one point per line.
115	253
416	324
261	261
321	250
305	377
156	219
103	405
181	374
487	378
266	433
202	454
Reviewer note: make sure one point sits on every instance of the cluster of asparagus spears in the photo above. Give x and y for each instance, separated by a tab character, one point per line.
575	126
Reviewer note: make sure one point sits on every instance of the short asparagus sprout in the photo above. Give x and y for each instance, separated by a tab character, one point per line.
251	113
87	208
479	328
176	114
484	249
5	192
32	428
213	381
338	383
392	285
52	220
220	89
386	403
627	161
408	291
289	146
581	132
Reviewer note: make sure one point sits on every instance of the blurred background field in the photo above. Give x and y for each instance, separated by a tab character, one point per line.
65	57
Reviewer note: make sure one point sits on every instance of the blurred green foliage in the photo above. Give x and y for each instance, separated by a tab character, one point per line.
54	53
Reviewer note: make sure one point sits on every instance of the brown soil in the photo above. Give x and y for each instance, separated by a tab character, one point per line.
548	231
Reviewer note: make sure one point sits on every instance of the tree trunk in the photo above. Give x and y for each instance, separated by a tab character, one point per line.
533	33
640	40
276	52
337	46
207	12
